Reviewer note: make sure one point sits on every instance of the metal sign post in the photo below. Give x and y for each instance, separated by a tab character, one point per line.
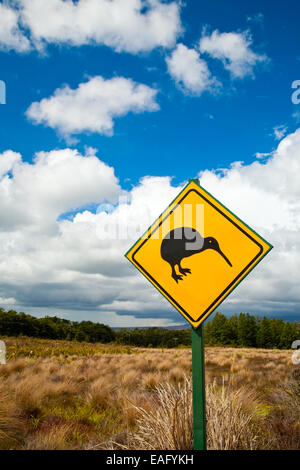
198	361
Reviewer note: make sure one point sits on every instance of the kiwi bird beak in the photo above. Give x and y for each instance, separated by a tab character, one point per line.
225	257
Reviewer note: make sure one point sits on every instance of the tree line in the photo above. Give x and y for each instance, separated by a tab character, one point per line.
243	330
13	323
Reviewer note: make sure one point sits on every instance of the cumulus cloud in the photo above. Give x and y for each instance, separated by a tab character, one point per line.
234	50
124	25
189	71
131	26
75	266
11	35
75	263
93	106
57	182
8	160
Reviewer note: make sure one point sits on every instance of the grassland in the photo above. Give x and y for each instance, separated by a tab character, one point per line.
39	348
68	395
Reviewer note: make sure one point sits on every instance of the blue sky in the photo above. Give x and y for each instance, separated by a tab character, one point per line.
155	143
176	131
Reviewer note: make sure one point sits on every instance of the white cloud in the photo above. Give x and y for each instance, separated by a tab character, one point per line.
8	160
11	36
190	71
266	195
93	106
67	264
261	155
57	182
280	132
234	50
9	302
124	25
49	264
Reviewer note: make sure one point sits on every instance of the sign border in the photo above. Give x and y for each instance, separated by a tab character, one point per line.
244	273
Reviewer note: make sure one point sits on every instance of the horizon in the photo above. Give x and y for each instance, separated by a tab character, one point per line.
178	326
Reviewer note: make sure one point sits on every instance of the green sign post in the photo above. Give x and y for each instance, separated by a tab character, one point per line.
198	369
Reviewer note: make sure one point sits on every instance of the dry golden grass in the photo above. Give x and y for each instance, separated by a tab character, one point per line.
231	417
111	400
10	424
34	347
168	424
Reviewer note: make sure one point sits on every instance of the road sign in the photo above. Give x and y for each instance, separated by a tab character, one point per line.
197	252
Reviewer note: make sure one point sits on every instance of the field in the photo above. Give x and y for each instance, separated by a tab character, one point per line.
68	395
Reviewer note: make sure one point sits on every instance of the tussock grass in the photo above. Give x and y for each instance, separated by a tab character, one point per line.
11	426
284	420
90	396
231	417
168	425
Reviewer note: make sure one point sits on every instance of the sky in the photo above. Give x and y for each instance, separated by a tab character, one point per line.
110	107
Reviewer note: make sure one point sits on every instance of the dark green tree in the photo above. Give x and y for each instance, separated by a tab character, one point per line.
290	333
247	330
265	336
218	328
230	334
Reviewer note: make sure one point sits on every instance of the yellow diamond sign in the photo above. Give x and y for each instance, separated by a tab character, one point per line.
197	252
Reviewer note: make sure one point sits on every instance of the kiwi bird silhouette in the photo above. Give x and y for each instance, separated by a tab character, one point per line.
184	242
